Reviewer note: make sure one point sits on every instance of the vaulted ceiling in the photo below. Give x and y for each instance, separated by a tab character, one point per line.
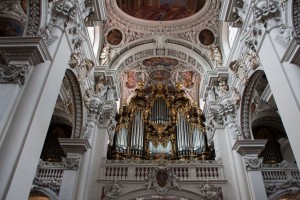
163	41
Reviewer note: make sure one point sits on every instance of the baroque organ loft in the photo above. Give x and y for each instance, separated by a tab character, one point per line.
149	99
160	123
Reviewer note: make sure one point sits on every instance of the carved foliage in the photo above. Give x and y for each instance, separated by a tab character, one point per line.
14	73
210	192
253	163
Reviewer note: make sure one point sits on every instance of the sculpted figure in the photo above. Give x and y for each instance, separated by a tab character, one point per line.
113	190
105	56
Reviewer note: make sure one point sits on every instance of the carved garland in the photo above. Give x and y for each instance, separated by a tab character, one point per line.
246	100
34	18
296	16
78	108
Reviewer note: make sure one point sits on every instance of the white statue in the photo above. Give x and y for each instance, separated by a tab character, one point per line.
105	56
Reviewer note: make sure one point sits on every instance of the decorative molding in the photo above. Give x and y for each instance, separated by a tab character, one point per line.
245	104
26	49
54	185
113	189
71	162
77	104
161	179
164	162
290	186
34	18
252	163
14	73
210	192
74	146
249	147
296	17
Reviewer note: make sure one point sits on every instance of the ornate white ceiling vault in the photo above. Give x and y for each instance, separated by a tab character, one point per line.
192	43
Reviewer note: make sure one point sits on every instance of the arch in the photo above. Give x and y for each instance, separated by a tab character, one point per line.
176	49
281	193
245	104
77	105
43	190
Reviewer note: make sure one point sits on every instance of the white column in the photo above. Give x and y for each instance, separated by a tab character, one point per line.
25	136
250	149
236	186
88	186
284	82
98	153
257	186
67	185
73	148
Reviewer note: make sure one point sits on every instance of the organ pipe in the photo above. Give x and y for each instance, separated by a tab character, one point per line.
155	119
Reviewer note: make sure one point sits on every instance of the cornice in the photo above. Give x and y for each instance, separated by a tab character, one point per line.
31	49
74	145
249	147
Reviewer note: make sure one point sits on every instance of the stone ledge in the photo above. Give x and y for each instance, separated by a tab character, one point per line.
249	147
74	146
31	49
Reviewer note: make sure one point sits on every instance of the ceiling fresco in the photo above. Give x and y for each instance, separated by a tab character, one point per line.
165	61
161	10
167	74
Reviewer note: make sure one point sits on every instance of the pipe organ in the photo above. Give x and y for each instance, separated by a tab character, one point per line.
160	122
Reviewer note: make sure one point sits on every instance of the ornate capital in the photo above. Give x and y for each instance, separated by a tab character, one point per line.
252	163
71	162
14	73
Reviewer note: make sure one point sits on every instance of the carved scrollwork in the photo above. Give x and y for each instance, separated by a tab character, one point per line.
112	189
71	162
210	192
253	163
291	186
162	179
54	185
14	73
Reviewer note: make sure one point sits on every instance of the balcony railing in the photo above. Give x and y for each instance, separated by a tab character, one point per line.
280	173
184	170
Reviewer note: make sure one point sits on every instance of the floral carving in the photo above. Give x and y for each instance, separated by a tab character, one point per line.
209	191
253	163
112	190
14	73
71	163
